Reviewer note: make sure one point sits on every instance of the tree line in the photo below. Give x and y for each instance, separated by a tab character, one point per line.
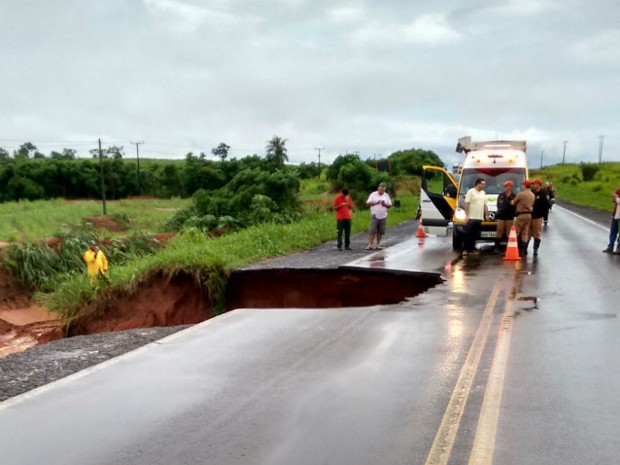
30	175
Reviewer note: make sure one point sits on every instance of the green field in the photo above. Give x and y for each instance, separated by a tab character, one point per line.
570	186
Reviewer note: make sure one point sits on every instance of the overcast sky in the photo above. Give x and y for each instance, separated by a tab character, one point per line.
350	76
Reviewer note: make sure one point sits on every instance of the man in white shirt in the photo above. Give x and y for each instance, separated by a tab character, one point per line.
379	202
476	211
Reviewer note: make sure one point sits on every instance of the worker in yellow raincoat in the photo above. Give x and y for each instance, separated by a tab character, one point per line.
96	264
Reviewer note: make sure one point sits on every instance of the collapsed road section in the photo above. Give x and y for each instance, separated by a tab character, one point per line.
181	300
345	286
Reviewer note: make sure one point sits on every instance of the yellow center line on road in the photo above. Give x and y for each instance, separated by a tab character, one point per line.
484	440
446	434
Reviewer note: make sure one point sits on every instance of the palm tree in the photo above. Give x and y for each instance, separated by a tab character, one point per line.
276	151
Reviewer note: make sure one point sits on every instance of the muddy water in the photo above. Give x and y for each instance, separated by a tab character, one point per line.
21	328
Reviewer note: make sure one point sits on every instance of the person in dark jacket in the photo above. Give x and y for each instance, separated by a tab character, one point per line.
550	193
505	214
539	213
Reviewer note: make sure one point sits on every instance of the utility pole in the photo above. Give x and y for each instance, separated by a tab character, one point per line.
600	149
542	152
319	150
105	210
564	153
138	161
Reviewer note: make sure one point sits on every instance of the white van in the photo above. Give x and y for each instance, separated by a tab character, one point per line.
442	197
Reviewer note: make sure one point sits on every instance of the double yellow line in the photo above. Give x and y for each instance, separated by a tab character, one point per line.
484	441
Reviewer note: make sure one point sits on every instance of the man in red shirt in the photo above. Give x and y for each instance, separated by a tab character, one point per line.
343	204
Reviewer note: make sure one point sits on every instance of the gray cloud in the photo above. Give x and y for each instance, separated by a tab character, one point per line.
346	75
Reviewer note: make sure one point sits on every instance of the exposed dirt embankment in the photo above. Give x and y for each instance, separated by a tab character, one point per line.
181	300
160	302
22	323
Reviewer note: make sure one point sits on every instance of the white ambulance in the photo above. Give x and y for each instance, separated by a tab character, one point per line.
442	197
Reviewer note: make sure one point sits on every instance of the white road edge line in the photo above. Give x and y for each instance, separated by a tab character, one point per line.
585	219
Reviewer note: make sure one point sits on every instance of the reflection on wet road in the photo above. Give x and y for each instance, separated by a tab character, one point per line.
504	362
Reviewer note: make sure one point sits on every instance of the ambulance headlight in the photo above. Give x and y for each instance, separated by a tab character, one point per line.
459	214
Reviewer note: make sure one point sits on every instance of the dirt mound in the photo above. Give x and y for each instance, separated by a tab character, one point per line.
105	222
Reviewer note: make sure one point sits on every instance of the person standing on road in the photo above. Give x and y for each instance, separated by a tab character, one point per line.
505	214
615	223
343	205
379	202
540	211
524	204
96	264
476	211
550	193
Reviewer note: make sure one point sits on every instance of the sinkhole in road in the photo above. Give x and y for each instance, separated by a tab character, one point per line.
324	287
179	300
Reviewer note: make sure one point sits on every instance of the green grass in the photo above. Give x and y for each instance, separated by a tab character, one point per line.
25	220
570	186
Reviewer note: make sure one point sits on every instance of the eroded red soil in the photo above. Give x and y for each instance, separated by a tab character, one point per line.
106	223
23	324
160	302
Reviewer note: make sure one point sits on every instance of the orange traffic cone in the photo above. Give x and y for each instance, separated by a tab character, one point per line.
421	232
512	249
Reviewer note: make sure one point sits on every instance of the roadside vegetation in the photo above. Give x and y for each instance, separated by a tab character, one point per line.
587	184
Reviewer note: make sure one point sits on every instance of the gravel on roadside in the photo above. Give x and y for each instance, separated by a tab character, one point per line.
40	365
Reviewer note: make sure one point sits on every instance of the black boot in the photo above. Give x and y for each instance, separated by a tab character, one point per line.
497	246
536	246
525	246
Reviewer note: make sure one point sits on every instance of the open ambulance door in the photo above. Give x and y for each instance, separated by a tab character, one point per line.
438	198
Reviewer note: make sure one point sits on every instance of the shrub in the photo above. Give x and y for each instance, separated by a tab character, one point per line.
588	171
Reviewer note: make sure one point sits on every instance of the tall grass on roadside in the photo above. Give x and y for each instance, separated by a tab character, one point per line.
37	266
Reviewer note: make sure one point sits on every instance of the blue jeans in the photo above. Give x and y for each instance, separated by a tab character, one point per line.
613	233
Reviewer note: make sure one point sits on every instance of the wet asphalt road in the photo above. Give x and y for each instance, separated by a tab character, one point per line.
506	362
